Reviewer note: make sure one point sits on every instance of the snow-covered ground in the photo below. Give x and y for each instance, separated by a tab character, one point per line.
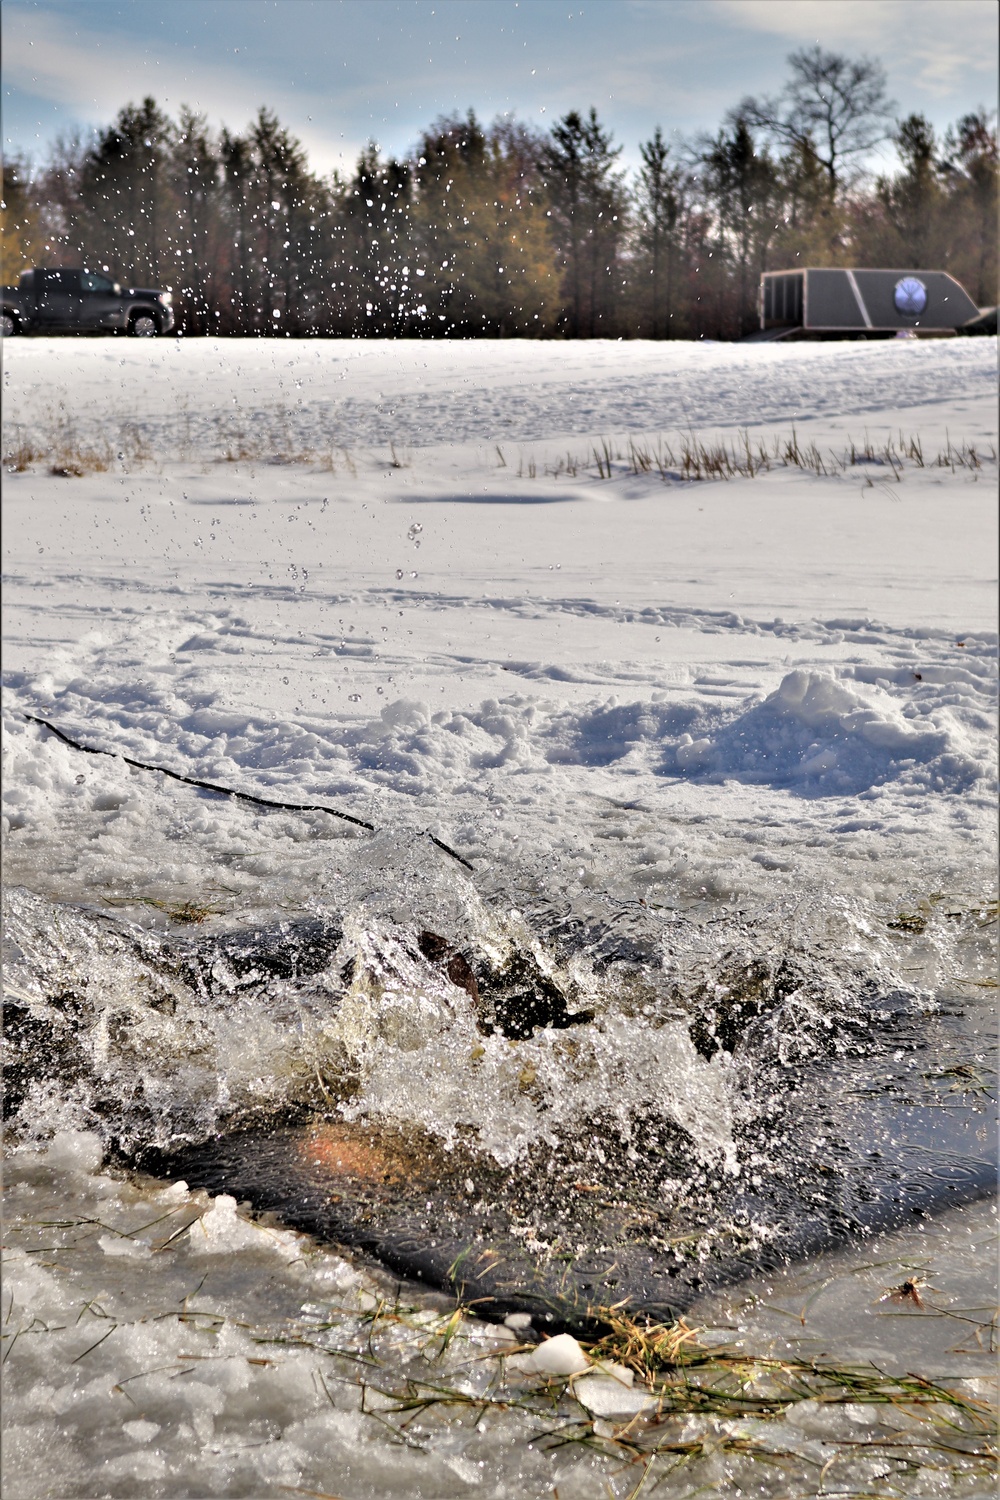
466	589
772	672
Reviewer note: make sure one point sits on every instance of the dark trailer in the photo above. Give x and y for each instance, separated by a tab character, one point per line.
844	302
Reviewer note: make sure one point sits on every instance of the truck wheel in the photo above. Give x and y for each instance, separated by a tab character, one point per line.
143	326
8	325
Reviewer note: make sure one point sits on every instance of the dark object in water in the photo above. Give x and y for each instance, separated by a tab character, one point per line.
405	1202
287	950
516	998
438	950
166	1042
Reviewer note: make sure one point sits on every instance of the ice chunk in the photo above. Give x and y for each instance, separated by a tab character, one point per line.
141	1432
612	1368
559	1356
220	1231
113	1244
605	1396
692	753
518	1321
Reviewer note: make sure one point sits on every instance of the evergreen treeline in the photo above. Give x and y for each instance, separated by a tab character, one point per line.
506	230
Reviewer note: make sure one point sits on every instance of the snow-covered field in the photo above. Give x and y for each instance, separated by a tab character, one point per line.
772	672
466	589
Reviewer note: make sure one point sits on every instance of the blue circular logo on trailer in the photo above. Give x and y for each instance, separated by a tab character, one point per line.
910	296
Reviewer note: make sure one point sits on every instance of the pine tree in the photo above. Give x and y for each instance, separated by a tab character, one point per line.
911	200
125	194
481	229
742	183
195	240
971	160
659	203
809	220
375	248
588	203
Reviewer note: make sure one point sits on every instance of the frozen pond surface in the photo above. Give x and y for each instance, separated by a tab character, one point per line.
721	756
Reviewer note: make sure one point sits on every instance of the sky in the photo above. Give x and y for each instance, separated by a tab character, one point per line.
342	72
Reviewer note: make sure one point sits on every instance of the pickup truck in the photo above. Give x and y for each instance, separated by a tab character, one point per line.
82	301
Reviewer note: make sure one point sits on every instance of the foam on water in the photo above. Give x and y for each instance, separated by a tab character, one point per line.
160	1040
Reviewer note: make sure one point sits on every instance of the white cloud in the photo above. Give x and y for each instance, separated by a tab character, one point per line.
90	76
336	75
931	46
855	23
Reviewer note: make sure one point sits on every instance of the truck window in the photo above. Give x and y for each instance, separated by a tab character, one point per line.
61	281
90	281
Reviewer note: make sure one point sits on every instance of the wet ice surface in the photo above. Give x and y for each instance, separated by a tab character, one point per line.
161	1344
679	731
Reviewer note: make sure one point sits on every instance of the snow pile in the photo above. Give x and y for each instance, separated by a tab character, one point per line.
821	736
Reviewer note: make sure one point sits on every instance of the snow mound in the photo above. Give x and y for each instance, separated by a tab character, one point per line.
824	737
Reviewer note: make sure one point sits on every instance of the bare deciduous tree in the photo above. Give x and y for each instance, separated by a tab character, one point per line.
836	105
